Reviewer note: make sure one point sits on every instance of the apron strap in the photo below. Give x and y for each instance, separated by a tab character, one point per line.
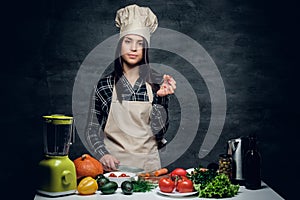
149	92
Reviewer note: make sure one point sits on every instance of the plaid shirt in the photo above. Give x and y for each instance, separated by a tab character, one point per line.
101	104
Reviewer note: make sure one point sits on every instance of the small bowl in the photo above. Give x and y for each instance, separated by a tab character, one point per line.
119	179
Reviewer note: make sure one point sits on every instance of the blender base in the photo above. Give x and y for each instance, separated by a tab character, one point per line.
57	176
56	194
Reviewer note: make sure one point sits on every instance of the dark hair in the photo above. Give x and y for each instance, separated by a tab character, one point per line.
145	71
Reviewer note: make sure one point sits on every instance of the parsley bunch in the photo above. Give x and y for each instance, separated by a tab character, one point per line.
142	186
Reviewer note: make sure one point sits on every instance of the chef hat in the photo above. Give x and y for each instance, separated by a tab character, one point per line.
136	20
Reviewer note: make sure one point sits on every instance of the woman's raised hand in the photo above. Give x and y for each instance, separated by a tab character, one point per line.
167	87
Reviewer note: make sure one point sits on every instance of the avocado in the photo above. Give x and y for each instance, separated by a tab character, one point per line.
109	188
127	187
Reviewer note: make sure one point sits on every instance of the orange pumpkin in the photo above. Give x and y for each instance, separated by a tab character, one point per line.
86	165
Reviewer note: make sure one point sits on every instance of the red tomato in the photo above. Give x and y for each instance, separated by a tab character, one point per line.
178	172
184	178
185	185
123	175
166	185
112	175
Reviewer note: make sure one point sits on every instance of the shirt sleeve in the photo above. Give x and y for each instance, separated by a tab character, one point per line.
95	133
160	118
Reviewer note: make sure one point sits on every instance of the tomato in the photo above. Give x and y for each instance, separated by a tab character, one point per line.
123	175
184	185
166	185
184	178
112	175
176	178
178	172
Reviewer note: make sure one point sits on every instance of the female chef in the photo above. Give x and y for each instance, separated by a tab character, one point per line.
131	103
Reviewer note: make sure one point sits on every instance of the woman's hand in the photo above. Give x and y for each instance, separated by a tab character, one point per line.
109	162
167	87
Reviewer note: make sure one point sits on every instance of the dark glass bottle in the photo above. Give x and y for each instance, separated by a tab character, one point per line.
252	165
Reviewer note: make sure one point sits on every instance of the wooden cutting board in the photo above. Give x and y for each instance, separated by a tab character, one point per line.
151	177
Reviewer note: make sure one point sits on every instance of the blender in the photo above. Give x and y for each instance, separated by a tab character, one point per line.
56	172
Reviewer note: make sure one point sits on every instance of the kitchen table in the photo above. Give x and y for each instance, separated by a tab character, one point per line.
265	193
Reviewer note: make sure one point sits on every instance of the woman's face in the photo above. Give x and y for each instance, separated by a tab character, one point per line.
132	49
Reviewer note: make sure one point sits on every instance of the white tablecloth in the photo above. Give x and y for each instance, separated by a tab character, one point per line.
265	193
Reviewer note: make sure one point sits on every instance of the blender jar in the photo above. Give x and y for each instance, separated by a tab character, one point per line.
58	133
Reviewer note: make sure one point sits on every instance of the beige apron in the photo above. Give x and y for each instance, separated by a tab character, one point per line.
128	133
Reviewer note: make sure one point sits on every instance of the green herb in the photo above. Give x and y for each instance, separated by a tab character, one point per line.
202	177
142	186
211	184
218	187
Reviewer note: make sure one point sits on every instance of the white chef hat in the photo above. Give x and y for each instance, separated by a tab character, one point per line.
136	20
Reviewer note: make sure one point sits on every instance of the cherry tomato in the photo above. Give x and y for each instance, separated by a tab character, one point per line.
166	185
178	172
123	175
112	175
184	185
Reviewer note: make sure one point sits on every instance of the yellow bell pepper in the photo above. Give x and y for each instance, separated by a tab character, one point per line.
87	185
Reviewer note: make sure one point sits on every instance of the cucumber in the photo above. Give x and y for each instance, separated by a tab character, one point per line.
109	188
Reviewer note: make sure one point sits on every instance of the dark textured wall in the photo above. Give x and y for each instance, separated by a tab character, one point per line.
253	43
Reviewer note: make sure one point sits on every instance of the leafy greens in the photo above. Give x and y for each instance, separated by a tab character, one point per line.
211	184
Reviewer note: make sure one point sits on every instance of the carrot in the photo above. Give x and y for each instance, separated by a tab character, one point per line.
161	171
145	174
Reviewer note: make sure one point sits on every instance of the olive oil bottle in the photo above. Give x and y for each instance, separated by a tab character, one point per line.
252	165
